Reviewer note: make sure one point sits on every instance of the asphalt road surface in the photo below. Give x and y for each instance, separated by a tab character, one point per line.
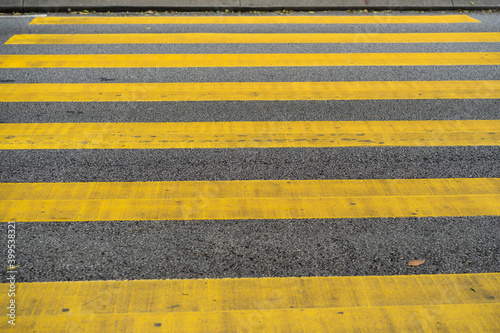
163	248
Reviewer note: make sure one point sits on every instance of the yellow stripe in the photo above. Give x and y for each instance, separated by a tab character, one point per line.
256	199
249	134
204	38
258	20
247	91
420	303
246	60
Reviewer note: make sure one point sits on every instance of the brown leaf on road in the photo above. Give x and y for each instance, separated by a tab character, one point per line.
416	262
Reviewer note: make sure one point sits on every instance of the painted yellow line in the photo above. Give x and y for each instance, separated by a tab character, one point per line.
204	38
246	60
258	20
419	303
256	199
247	91
249	134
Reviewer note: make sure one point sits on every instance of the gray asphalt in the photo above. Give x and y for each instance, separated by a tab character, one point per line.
251	248
216	249
246	164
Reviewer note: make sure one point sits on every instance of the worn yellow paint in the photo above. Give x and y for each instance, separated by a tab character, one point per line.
287	38
254	199
247	91
249	134
257	19
417	303
246	60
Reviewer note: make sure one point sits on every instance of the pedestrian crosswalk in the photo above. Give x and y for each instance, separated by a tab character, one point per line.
403	303
262	134
248	91
452	302
283	199
247	60
400	19
255	38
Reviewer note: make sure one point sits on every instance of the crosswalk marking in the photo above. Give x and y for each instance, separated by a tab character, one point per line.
249	134
247	91
406	303
246	60
280	38
464	302
255	199
259	20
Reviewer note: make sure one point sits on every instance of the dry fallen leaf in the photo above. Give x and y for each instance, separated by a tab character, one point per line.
416	262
